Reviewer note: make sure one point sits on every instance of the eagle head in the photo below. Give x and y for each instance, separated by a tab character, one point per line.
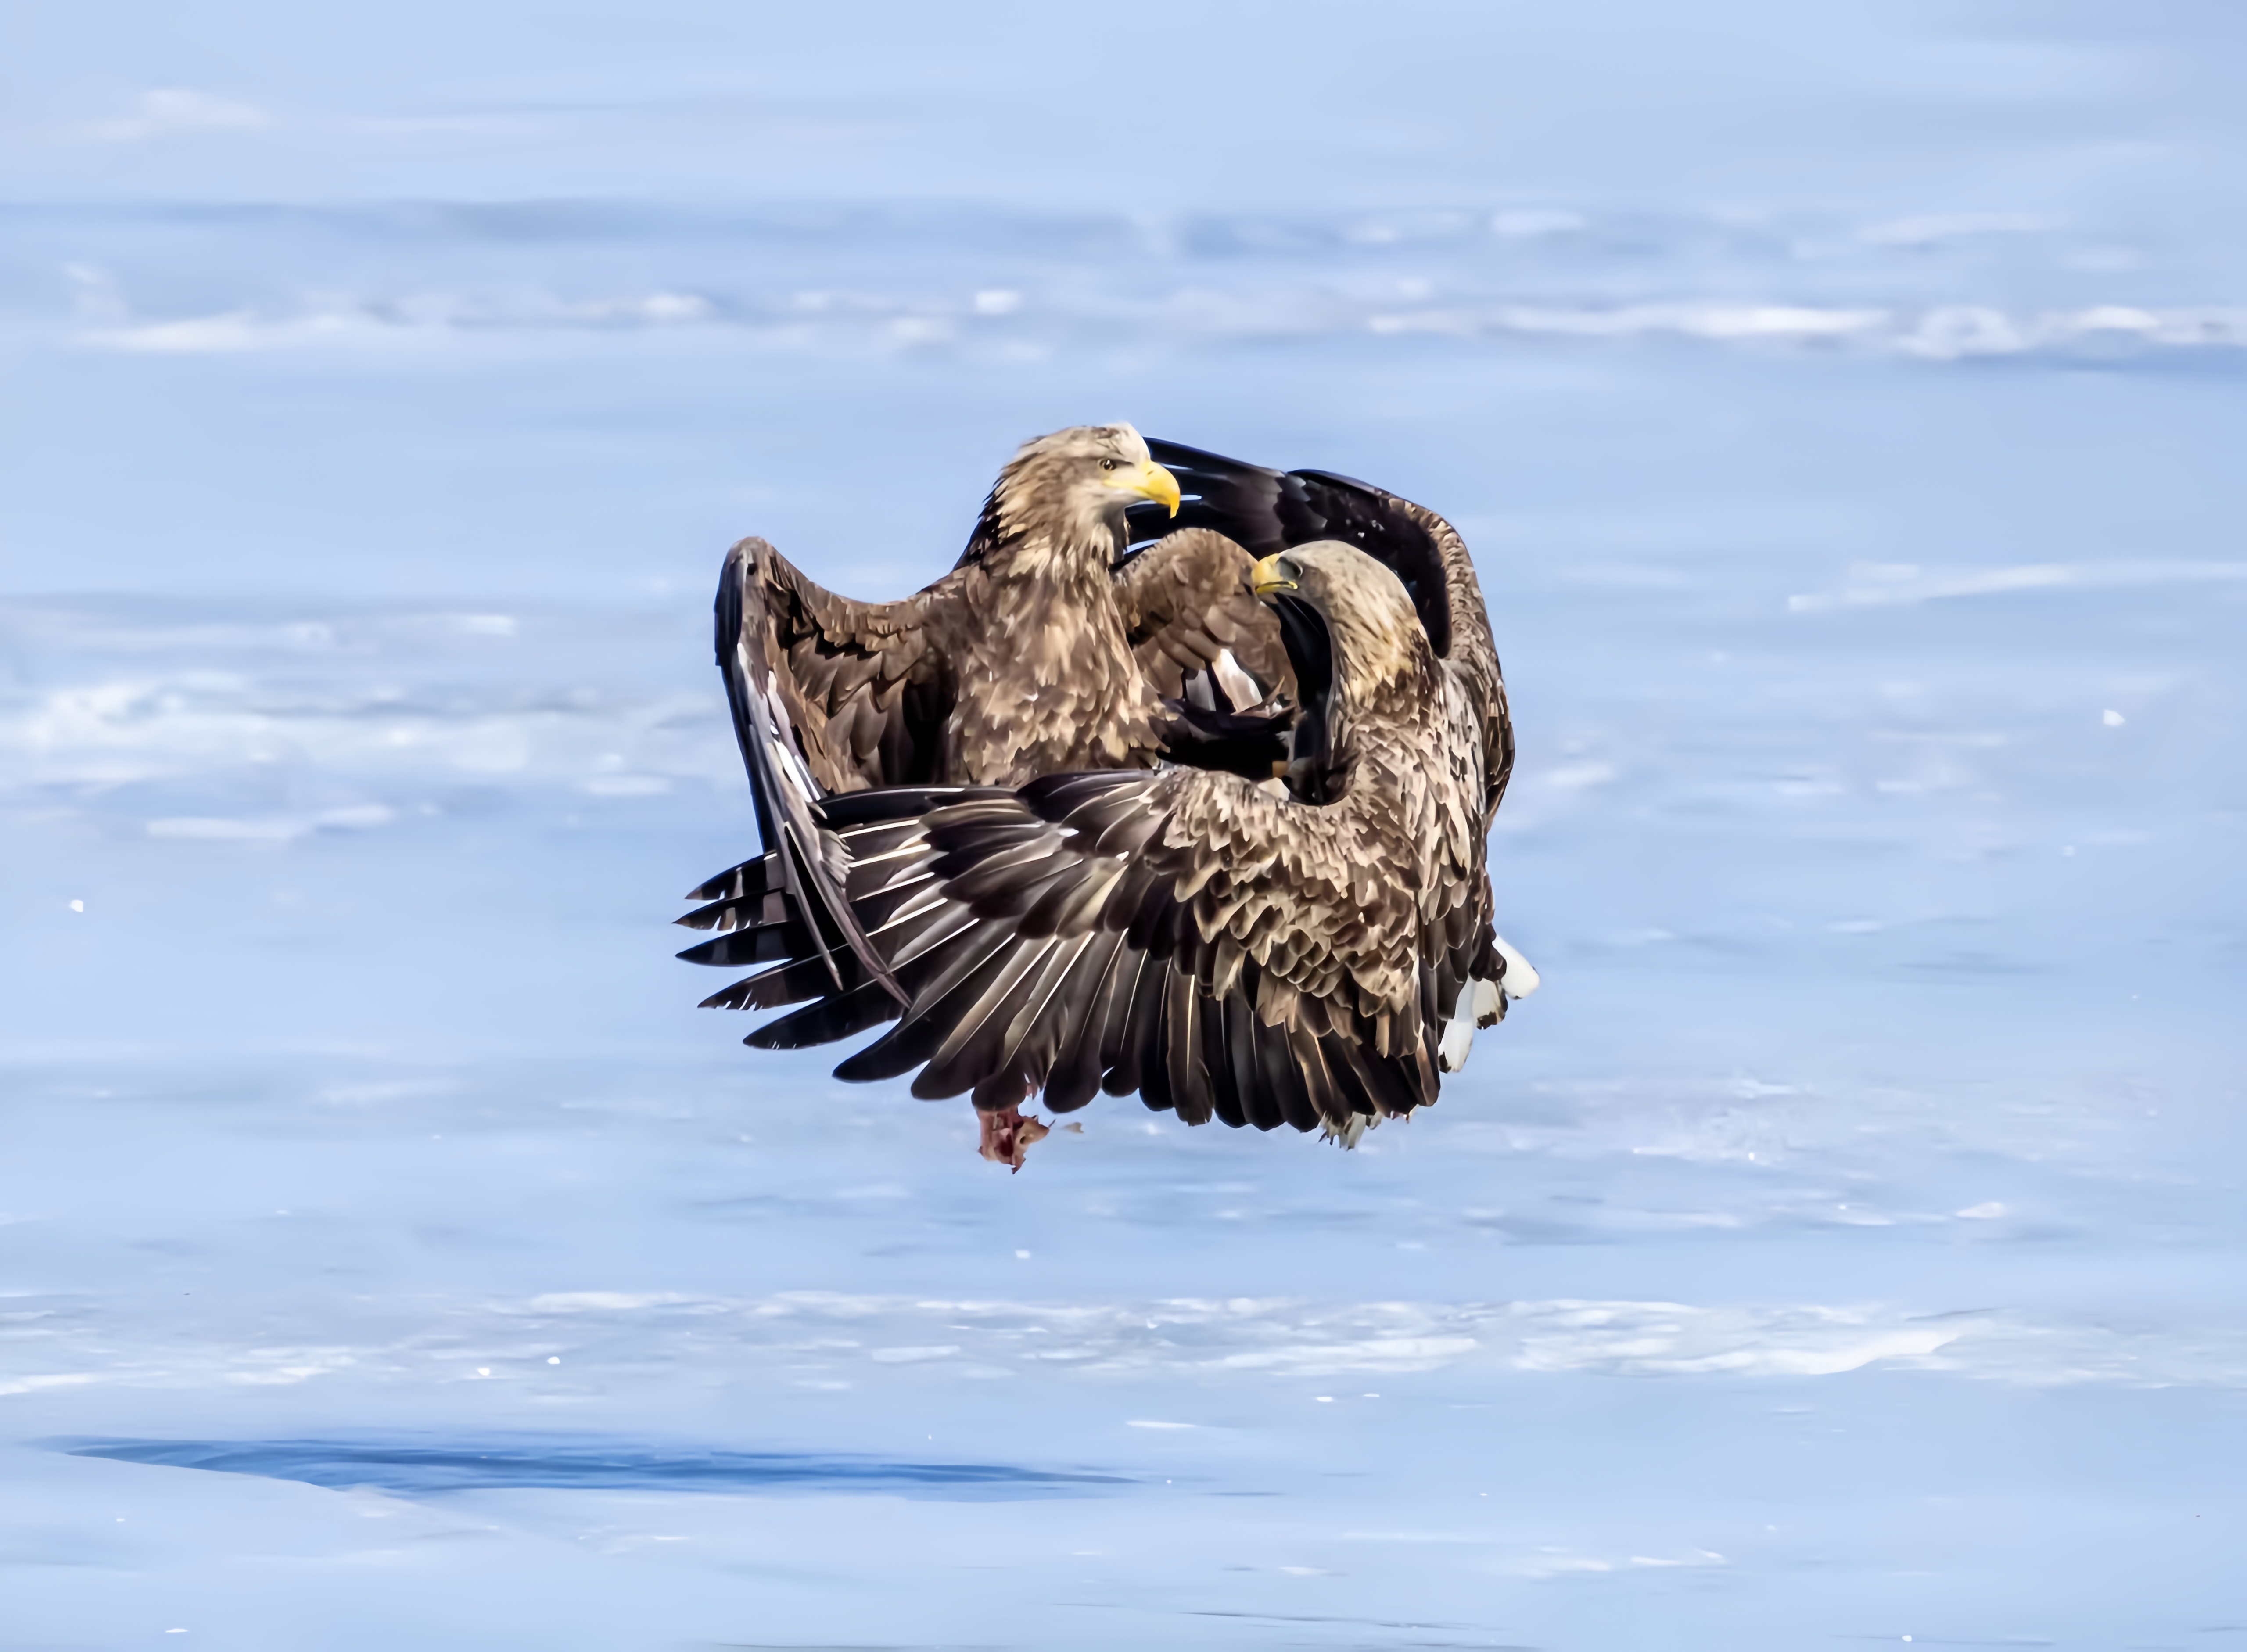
1070	489
1357	646
1362	607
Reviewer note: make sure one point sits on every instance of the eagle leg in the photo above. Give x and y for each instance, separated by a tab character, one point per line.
1007	1136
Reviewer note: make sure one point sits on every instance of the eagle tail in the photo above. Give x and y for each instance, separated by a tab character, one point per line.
1483	1001
1517	979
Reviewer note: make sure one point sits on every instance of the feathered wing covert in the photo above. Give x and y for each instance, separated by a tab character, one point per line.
1226	948
869	693
1032	656
929	689
1187	609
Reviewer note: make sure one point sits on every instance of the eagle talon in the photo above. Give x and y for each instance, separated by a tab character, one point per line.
1007	1136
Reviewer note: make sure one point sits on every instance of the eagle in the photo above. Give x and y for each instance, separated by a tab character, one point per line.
1073	632
1046	649
1313	951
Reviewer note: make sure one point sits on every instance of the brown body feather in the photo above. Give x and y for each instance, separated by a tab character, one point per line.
995	674
1034	656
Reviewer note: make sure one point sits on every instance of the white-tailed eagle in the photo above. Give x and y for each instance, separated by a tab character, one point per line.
1315	951
1046	649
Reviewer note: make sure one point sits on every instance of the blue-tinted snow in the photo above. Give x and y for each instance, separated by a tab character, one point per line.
1844	404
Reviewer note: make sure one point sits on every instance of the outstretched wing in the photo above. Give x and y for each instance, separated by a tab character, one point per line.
828	695
1470	660
1268	511
1180	934
861	687
1187	605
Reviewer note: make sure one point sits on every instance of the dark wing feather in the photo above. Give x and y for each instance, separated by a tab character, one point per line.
825	692
1268	511
1071	938
861	688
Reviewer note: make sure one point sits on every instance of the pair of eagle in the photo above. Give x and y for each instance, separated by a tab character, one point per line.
1201	817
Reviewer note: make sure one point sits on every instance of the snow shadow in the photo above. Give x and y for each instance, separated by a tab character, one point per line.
425	1467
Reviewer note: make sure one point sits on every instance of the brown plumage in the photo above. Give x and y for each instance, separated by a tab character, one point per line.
1032	657
1037	653
1265	510
1259	952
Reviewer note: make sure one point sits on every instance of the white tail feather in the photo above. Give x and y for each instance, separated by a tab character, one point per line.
1482	1003
1239	686
1520	974
1458	1039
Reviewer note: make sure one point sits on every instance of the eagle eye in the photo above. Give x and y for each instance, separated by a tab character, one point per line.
1108	464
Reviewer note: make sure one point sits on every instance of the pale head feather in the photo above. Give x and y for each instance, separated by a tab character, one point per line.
1054	490
1376	630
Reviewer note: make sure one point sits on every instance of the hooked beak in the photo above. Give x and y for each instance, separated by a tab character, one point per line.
1152	482
1266	579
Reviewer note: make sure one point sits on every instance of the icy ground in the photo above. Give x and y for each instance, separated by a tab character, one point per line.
1845	405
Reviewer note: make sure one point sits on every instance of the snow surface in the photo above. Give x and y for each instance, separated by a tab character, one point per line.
1844	406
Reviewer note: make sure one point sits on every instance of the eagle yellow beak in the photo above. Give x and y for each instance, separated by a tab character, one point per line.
1266	579
1152	482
